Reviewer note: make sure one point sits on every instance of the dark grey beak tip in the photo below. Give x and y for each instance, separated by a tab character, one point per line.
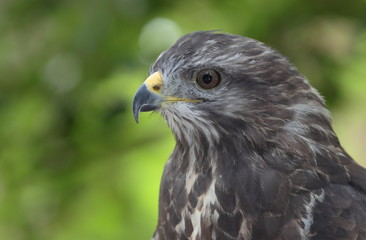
136	107
145	101
136	115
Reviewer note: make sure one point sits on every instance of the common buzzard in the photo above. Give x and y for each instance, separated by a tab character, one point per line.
255	156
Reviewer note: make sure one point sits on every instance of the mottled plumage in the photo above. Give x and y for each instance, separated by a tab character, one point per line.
255	156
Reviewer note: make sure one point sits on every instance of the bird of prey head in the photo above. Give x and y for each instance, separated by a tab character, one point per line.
256	156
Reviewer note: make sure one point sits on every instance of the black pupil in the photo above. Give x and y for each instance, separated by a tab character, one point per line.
207	78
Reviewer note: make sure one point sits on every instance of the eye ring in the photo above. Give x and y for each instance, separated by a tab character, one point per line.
208	78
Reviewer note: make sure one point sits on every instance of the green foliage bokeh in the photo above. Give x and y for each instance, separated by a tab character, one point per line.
73	164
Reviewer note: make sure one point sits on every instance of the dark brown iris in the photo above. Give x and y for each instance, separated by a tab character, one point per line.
208	78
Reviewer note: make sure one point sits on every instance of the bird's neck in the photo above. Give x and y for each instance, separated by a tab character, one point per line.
207	150
242	144
276	138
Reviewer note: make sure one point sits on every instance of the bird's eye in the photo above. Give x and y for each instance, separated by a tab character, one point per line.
208	78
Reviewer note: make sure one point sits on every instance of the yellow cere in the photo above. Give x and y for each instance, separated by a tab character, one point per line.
154	83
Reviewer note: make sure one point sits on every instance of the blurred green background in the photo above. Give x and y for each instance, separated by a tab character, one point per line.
73	164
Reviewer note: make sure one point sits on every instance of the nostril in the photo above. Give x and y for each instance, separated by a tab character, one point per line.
156	87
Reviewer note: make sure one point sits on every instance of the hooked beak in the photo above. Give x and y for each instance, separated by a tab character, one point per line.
148	97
